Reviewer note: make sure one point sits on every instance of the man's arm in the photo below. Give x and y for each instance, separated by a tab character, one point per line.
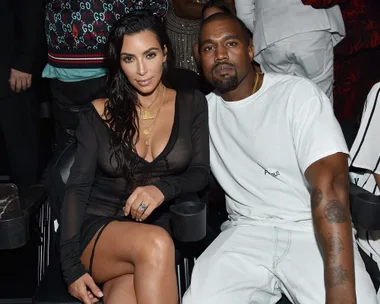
245	11
29	33
28	29
328	178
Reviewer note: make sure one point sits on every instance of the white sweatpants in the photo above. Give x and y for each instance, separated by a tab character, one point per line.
254	264
308	55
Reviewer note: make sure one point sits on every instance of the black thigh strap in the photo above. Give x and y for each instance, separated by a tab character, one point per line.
93	249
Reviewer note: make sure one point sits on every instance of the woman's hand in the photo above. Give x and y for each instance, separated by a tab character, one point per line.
142	202
85	290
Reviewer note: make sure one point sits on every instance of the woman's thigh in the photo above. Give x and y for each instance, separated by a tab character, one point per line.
120	246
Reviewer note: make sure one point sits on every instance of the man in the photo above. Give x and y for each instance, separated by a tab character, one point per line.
278	152
364	162
22	22
293	38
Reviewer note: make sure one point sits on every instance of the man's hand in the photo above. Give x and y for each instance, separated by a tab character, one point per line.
19	81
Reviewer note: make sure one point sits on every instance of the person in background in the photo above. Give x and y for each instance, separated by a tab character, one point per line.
22	24
76	33
364	164
138	149
293	38
182	26
354	59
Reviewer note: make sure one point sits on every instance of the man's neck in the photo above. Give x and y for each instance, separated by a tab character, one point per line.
244	89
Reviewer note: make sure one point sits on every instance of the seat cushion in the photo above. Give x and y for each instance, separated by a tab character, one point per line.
52	289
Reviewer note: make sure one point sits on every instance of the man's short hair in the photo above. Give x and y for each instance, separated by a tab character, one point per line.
223	16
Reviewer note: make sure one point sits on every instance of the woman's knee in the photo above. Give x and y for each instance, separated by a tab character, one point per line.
158	246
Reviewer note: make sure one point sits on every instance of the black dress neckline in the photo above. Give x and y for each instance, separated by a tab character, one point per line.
172	138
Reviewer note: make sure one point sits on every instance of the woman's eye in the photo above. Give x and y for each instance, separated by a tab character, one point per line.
128	59
151	55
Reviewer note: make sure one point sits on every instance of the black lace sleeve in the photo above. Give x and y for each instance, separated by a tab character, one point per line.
78	188
196	177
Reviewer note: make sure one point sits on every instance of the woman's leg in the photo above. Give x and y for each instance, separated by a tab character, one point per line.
120	290
146	251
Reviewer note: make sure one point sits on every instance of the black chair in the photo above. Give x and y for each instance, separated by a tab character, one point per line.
189	212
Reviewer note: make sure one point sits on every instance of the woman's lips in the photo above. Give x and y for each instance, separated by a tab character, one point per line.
144	82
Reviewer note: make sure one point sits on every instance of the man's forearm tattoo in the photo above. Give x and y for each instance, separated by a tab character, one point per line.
335	212
316	198
336	276
335	246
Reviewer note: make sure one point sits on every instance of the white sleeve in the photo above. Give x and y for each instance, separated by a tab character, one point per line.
365	151
245	11
316	132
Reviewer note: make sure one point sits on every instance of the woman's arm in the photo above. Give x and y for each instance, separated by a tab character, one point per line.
77	191
187	9
197	175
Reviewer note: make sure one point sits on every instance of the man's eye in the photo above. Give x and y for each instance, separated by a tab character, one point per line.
208	48
151	55
231	43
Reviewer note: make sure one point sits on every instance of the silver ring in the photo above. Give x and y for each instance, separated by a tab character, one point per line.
142	207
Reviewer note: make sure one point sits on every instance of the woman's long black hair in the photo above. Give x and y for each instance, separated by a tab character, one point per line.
120	110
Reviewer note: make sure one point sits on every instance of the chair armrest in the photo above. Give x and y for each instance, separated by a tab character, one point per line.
33	197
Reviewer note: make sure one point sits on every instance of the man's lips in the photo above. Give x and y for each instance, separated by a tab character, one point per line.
223	69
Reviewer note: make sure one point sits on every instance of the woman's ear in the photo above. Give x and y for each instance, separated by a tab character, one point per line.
165	51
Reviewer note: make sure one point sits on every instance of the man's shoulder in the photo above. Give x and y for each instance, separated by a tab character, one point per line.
293	85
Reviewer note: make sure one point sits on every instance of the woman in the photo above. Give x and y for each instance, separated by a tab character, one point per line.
139	149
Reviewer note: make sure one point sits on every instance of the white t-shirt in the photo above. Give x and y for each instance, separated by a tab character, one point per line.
262	145
365	154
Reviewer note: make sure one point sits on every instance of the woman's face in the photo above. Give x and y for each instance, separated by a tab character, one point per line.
141	60
211	11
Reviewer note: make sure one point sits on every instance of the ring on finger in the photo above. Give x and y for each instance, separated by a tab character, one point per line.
142	207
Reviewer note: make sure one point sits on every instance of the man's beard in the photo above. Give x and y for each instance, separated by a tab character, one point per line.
225	85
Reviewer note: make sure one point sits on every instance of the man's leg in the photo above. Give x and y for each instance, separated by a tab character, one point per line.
19	124
236	268
302	276
308	55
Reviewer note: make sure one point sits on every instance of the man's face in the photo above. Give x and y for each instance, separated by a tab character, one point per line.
225	55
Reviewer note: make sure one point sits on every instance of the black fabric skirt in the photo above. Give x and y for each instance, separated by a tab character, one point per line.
96	218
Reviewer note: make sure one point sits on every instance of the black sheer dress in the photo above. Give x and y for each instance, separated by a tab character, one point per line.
96	192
